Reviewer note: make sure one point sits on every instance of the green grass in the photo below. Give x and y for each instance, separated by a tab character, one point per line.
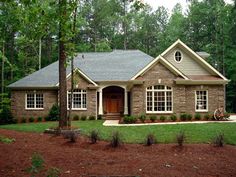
195	133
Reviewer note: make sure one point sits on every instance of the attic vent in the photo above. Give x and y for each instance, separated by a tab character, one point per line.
178	56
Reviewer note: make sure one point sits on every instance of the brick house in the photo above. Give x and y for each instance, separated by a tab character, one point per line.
118	83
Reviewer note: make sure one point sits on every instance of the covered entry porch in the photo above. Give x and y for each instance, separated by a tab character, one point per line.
113	101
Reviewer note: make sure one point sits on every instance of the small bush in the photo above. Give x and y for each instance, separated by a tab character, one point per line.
99	117
83	117
76	117
53	113
197	116
6	116
39	119
226	115
37	163
150	139
218	140
92	117
183	117
53	172
173	117
23	120
163	118
142	117
31	119
153	118
6	140
115	139
207	116
189	117
180	138
129	119
71	135
94	136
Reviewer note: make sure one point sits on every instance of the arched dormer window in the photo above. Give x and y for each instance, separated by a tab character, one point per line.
79	99
159	99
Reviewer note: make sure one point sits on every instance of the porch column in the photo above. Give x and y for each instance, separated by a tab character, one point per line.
126	102
100	108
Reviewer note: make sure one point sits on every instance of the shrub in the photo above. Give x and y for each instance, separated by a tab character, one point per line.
153	118
99	117
53	113
207	116
163	118
53	172
6	116
39	119
189	117
92	117
197	116
142	117
173	117
180	138
129	119
31	119
23	120
115	139
83	117
76	117
71	135
6	140
226	115
37	162
94	136
183	117
218	140
150	139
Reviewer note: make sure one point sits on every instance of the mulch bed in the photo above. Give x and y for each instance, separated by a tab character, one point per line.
99	160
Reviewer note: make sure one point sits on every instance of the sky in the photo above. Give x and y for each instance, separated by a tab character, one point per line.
169	4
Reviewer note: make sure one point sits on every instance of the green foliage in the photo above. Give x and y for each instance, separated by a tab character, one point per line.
72	135
180	138
173	117
99	117
129	119
83	117
6	140
94	136
92	117
153	118
39	119
207	116
142	117
53	172
116	140
183	116
31	119
189	117
53	113
197	116
37	163
5	112
163	118
76	117
218	140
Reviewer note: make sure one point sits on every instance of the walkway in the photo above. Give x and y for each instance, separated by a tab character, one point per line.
116	122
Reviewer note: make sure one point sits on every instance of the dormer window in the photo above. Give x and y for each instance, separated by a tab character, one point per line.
178	56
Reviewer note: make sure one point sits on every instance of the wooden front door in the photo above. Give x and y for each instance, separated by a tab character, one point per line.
113	103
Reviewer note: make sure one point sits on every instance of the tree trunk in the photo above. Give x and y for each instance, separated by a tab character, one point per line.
62	66
3	55
125	26
40	52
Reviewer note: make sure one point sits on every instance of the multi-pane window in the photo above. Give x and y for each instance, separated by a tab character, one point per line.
34	101
159	99
201	100
79	99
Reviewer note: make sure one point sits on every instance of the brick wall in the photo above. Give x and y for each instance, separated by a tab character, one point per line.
183	96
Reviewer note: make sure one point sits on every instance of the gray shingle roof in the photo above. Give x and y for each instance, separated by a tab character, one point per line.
118	65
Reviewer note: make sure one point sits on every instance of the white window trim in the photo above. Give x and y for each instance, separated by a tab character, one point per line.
202	110
26	108
180	54
76	109
159	112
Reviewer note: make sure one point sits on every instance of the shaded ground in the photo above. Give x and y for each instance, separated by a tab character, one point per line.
84	159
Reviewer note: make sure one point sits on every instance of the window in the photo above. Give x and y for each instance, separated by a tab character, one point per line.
34	101
201	100
79	99
178	56
159	99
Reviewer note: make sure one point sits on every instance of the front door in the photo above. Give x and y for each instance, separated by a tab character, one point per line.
113	103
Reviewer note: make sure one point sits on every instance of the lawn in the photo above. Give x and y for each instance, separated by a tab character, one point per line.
195	133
